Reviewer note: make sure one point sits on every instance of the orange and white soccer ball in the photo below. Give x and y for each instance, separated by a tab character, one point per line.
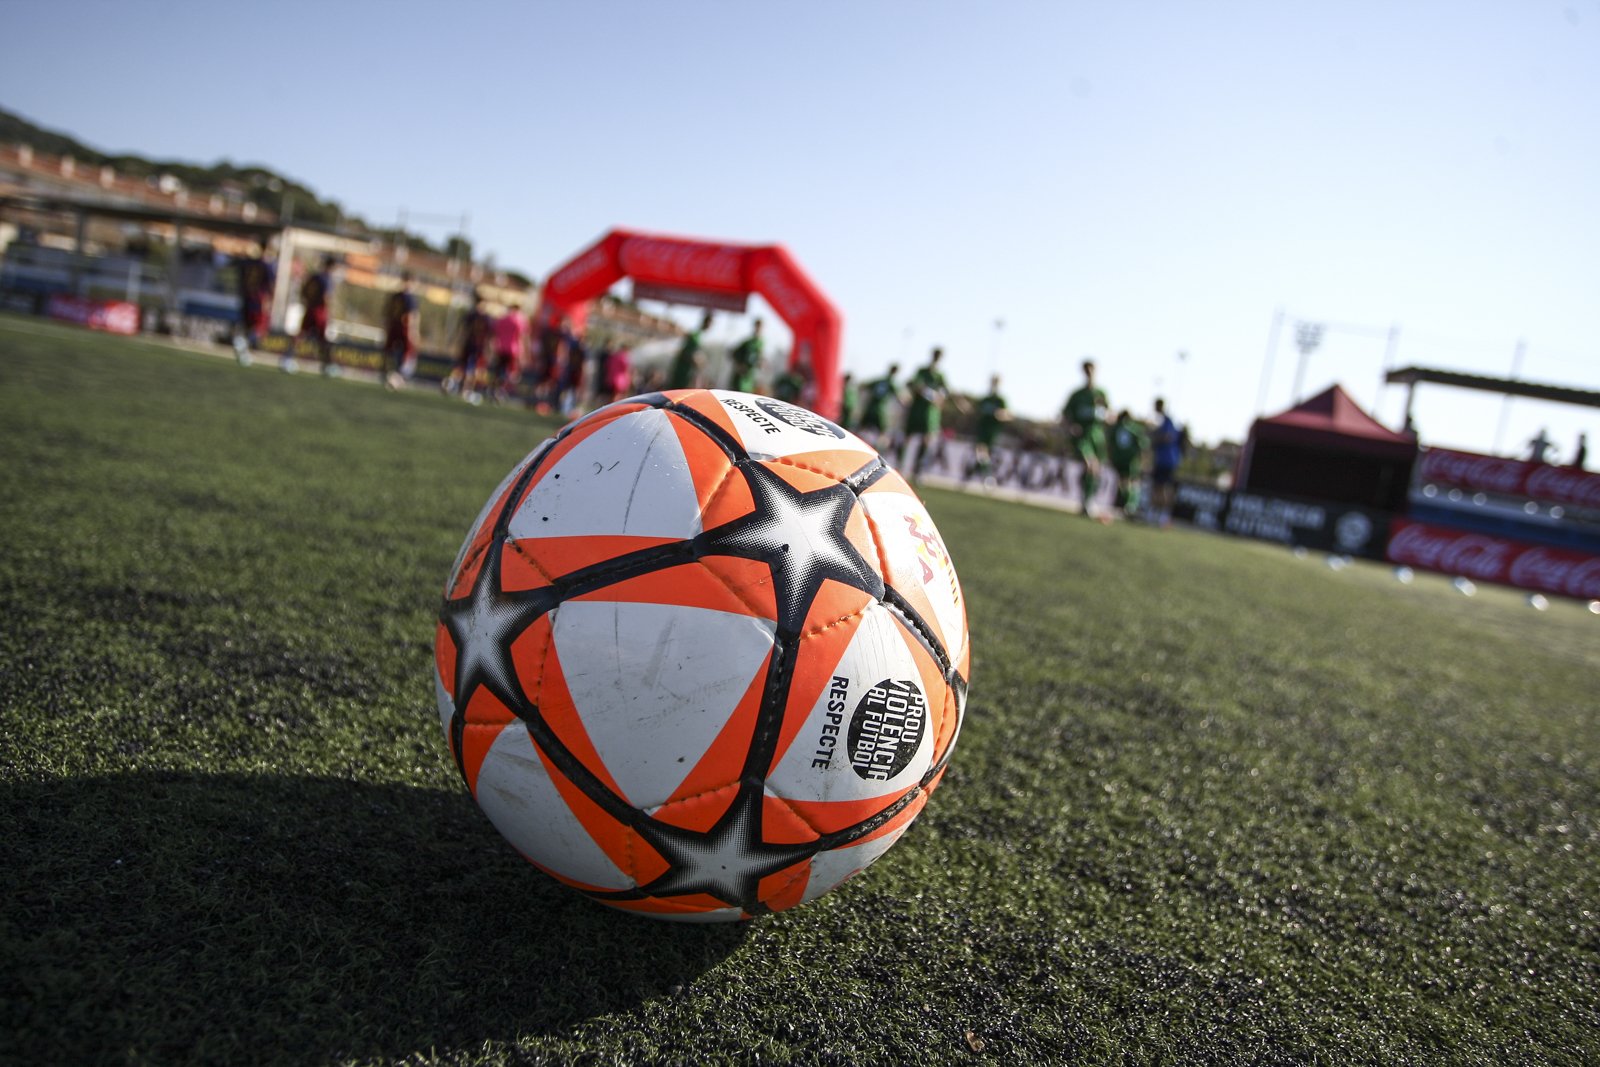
702	656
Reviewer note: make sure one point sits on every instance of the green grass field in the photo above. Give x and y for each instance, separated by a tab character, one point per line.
1212	803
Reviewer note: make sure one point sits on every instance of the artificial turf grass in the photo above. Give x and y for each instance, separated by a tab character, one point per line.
1210	803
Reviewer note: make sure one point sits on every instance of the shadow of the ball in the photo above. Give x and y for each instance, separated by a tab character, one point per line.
161	915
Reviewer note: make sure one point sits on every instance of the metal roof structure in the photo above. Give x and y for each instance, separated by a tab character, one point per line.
1560	394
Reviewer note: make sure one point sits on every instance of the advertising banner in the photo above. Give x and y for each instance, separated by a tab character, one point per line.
1485	558
704	298
359	355
1473	473
112	316
432	367
1203	505
1342	528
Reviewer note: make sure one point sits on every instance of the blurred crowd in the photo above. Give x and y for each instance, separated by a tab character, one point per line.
1108	463
501	354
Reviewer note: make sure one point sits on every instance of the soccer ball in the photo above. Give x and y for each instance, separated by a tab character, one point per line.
703	656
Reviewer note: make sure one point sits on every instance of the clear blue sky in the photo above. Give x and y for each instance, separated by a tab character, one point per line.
1127	180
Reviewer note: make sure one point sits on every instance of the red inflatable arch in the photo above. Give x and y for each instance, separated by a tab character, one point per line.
710	268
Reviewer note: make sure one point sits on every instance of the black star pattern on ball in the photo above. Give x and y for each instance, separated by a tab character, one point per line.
483	624
726	862
800	535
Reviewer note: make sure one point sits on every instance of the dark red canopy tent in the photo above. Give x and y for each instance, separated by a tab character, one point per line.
1327	448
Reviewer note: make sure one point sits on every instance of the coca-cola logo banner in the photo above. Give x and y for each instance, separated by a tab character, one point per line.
661	259
112	316
1512	477
1484	558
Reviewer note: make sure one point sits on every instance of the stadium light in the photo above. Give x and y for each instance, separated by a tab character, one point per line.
1307	338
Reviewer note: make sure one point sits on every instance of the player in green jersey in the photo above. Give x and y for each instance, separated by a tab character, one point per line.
793	383
877	411
928	390
1129	442
849	402
687	363
1084	418
992	414
746	360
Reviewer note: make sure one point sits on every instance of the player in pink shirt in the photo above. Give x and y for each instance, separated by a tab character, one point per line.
510	350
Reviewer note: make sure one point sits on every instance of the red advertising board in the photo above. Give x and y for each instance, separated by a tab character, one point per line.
1481	557
1514	477
112	316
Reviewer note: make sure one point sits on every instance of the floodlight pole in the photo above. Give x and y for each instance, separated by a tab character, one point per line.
1389	349
1505	402
1307	338
1266	364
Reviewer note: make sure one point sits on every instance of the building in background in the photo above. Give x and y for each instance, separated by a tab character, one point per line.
82	241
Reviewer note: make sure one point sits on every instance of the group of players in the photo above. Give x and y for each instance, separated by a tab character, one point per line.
494	351
745	364
256	281
869	410
1095	440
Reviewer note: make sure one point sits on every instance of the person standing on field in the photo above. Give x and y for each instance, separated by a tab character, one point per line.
255	304
1129	443
510	350
400	334
877	412
746	360
316	292
791	383
1084	418
849	402
992	414
1167	452
466	378
558	344
687	363
928	391
615	374
574	372
1539	447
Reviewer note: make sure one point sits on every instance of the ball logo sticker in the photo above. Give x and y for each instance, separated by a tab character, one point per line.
800	418
886	730
931	551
